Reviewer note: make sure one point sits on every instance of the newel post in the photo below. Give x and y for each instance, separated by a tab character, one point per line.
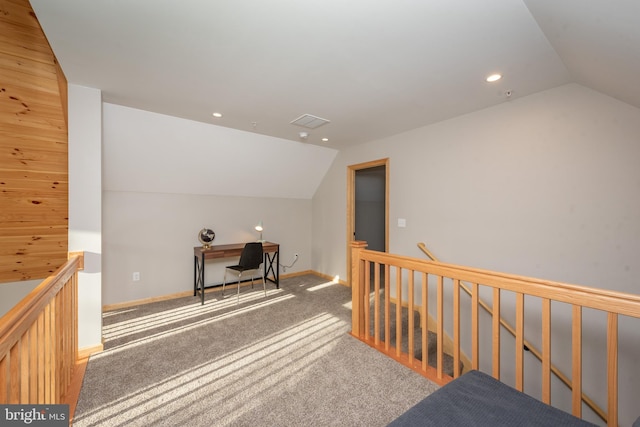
357	289
80	256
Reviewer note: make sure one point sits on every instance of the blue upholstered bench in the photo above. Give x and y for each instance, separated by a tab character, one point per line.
477	399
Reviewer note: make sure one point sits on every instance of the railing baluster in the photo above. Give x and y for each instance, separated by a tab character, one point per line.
475	332
440	326
64	339
62	355
424	321
73	312
612	369
519	351
576	362
411	330
74	315
43	348
398	311
55	372
67	298
46	320
495	320
367	299
66	308
4	379
456	328
376	303
33	362
24	369
14	374
546	350
387	307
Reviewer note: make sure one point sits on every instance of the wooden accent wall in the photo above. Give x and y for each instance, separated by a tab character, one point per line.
33	149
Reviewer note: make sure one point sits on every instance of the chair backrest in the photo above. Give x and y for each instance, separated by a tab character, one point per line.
251	256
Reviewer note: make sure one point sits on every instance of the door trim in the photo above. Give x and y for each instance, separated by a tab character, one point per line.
351	203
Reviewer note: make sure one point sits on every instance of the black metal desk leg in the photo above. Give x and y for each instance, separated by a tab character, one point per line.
198	277
278	269
202	278
268	268
195	275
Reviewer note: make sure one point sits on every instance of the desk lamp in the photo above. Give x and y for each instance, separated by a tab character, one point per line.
259	228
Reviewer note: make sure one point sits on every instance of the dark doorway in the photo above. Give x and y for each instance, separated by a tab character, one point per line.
370	211
368	206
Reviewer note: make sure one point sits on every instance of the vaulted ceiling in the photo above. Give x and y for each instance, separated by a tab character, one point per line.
372	68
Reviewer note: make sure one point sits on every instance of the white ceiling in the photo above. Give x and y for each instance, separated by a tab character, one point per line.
373	68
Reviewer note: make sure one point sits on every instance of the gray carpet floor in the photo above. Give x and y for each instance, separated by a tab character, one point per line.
281	360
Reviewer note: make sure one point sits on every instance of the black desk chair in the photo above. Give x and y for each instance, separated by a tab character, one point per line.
250	260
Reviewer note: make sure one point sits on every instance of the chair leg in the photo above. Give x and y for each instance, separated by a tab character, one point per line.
239	276
264	283
224	282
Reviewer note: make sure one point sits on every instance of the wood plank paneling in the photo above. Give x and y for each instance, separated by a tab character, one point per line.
29	66
13	182
18	11
21	79
22	108
34	95
33	149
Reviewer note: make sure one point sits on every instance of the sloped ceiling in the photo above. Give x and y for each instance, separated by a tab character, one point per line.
598	42
373	69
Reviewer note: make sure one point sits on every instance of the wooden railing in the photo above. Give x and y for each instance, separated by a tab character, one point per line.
366	297
39	340
527	344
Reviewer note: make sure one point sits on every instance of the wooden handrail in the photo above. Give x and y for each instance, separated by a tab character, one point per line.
39	340
612	303
528	345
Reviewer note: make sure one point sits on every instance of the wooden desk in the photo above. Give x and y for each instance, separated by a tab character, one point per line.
200	255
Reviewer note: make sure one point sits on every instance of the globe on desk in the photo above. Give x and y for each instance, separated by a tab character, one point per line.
206	236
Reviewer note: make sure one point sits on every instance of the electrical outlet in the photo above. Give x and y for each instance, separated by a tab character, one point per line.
136	276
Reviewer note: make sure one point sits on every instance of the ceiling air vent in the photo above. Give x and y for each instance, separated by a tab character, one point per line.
310	122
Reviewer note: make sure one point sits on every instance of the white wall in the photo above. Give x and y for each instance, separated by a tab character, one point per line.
85	206
166	178
545	186
150	152
155	233
12	293
493	188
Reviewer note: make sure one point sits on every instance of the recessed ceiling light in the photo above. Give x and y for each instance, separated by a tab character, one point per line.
325	139
217	115
494	78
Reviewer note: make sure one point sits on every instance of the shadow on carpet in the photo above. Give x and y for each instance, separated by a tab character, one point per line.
284	359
